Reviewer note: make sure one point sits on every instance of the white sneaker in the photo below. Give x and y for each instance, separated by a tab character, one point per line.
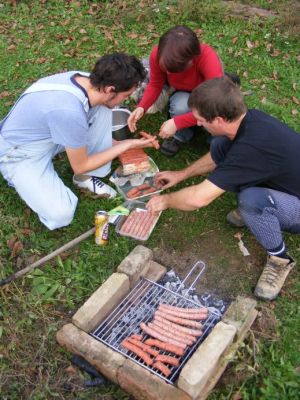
94	185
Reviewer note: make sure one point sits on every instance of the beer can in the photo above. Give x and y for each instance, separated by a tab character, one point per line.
101	225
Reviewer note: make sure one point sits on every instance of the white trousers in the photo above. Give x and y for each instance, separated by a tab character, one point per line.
29	169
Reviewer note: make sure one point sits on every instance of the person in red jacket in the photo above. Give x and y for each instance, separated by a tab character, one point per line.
183	63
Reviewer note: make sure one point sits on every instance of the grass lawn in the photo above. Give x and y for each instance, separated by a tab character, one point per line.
39	38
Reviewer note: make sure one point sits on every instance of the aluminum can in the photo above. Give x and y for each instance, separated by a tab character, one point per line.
101	225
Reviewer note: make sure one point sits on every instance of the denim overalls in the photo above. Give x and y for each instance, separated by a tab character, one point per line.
29	168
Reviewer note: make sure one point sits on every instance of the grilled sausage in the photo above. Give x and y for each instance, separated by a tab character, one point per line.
181	309
172	325
180	321
165	346
143	346
162	368
174	332
180	339
136	350
161	337
167	359
195	316
136	336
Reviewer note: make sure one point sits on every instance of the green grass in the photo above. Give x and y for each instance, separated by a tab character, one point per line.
40	38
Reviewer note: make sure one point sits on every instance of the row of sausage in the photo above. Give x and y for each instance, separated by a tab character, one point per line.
173	329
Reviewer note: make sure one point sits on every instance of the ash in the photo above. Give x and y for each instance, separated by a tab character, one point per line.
171	281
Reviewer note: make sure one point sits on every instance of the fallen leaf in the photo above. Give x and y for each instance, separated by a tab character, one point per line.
11	47
295	100
16	249
4	94
294	112
132	35
238	235
11	242
276	53
234	40
295	86
249	44
83	31
71	370
263	100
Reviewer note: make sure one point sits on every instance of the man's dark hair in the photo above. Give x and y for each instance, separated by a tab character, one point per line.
119	70
176	48
218	97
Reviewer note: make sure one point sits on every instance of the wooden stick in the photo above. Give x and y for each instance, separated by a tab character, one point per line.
47	258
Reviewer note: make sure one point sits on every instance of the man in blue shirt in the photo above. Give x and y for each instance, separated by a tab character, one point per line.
254	155
69	112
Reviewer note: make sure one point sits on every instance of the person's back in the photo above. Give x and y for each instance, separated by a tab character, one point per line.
45	115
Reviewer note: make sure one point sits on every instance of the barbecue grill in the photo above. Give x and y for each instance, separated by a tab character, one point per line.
139	306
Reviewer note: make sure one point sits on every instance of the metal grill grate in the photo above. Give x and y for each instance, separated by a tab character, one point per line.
139	306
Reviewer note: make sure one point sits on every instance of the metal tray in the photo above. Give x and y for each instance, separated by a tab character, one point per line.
124	189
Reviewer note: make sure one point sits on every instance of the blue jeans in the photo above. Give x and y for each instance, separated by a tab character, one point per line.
179	105
29	169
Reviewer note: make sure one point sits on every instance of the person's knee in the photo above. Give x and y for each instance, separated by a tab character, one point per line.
58	217
254	200
179	103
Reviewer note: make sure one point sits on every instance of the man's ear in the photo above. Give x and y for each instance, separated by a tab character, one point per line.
109	89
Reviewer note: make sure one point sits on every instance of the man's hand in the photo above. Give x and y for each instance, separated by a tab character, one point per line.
157	204
168	129
141	143
134	117
167	179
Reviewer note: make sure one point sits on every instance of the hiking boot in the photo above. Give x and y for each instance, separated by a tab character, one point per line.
273	276
94	185
235	219
170	147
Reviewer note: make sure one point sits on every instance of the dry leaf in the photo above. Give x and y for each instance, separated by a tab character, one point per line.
234	40
16	249
83	31
294	112
295	86
295	100
11	242
4	94
11	47
263	100
132	35
238	235
249	44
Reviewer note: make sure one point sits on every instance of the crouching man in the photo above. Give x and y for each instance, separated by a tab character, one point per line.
69	112
254	155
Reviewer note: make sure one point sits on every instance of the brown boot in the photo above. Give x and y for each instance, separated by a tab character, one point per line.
273	276
235	219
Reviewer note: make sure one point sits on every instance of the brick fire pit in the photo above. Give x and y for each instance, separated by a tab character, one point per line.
202	370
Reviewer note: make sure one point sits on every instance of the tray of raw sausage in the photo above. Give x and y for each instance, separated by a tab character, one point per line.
139	224
139	186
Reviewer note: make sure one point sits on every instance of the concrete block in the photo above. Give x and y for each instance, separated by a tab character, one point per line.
200	367
238	312
154	271
102	302
143	385
96	353
135	264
